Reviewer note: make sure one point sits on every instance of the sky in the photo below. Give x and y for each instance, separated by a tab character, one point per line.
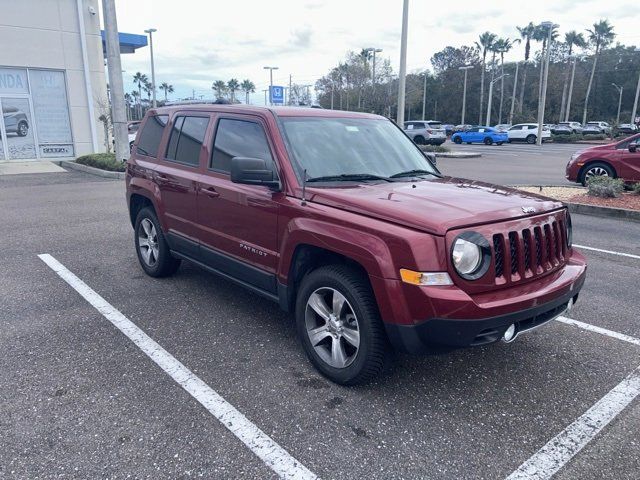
200	41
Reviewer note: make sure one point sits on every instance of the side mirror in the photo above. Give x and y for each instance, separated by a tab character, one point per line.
253	171
633	147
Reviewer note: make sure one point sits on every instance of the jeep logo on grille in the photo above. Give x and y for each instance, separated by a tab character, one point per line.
528	210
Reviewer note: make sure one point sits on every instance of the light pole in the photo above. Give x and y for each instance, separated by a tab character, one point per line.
543	93
402	81
619	88
635	102
464	92
271	69
513	97
153	70
491	96
573	74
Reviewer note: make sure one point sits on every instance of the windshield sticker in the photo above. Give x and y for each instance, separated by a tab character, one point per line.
351	128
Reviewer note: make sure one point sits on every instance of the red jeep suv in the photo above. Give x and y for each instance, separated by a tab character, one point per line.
619	160
342	220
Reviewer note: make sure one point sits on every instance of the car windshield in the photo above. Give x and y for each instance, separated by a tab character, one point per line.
333	147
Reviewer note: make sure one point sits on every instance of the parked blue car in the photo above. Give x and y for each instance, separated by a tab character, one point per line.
486	135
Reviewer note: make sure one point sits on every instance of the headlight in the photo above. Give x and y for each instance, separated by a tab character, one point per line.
470	255
466	256
569	228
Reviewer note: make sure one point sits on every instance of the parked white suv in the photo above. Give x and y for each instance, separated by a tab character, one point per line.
527	132
592	128
427	132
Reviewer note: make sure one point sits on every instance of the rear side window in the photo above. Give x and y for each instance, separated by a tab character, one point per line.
238	138
150	136
187	136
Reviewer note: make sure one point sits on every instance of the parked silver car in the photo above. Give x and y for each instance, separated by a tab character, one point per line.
567	128
595	128
425	132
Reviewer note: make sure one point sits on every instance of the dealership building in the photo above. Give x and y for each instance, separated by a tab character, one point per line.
53	88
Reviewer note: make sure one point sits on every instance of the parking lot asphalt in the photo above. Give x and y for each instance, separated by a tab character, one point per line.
512	163
80	400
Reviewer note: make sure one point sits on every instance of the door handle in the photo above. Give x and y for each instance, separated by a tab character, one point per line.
161	179
209	192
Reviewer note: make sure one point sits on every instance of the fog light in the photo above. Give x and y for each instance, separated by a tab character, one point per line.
510	333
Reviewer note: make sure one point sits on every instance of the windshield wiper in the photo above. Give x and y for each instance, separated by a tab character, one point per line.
346	177
413	173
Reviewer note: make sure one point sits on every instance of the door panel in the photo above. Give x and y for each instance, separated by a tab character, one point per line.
237	221
630	165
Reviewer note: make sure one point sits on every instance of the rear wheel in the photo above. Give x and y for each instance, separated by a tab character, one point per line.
488	141
597	169
531	139
457	140
23	129
339	325
152	248
419	140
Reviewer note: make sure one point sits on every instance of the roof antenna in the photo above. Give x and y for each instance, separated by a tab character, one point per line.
304	185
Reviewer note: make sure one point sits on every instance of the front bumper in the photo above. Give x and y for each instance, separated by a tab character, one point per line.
445	334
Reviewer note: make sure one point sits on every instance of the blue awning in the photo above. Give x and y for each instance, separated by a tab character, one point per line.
129	42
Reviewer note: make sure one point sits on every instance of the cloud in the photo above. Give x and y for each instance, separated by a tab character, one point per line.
302	37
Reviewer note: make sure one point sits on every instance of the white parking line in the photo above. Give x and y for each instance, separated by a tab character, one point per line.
600	330
562	448
621	254
272	454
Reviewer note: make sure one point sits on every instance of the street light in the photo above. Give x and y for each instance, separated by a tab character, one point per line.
635	102
619	88
573	74
543	93
271	69
464	92
491	96
153	70
402	80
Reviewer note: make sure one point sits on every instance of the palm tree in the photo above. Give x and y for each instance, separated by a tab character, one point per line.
502	46
484	43
233	86
526	34
541	34
571	39
220	88
247	87
600	37
167	89
141	79
135	95
127	102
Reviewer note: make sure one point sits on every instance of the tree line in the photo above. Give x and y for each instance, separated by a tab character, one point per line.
583	69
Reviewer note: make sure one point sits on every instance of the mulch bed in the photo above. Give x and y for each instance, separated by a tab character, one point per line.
629	201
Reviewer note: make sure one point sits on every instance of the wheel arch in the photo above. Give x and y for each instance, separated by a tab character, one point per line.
137	202
584	168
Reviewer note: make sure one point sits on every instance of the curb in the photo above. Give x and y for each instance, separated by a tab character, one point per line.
91	170
458	154
621	213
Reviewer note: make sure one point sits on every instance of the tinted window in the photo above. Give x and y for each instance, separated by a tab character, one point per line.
473	130
516	127
151	134
187	136
238	138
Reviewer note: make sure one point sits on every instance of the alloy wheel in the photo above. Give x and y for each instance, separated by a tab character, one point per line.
596	172
332	327
148	242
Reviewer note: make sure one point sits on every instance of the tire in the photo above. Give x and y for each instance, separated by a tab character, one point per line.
488	141
499	143
594	170
159	262
469	143
23	128
457	140
531	139
419	140
335	353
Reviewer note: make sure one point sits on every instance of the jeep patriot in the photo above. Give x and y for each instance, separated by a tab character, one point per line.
341	219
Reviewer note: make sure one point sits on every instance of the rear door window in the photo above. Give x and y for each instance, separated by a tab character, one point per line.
151	135
238	138
187	137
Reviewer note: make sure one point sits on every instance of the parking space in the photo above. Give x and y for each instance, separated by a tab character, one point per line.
82	400
512	164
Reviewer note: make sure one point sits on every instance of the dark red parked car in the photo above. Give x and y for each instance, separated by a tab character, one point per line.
343	221
620	159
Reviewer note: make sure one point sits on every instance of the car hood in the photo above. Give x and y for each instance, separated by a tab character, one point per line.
434	206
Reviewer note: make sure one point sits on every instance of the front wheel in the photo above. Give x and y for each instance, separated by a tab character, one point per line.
531	139
457	140
597	169
152	248
488	141
339	325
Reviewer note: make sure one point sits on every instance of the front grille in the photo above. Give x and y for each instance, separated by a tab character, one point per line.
529	252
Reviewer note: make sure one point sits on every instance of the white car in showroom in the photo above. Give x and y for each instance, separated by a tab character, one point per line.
527	132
